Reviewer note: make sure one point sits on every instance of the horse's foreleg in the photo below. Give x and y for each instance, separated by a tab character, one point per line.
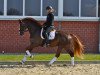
28	50
24	59
53	60
28	53
25	56
56	56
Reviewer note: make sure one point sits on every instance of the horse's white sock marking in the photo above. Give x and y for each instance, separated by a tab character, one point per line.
28	53
24	59
53	60
72	60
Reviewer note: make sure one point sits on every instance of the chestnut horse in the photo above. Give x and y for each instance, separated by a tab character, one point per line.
68	42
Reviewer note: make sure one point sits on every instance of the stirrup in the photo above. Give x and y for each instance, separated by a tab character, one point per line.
48	44
45	45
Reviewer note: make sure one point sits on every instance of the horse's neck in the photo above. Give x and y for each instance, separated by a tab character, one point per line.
34	30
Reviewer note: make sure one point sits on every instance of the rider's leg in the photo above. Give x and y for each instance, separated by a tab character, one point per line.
47	39
47	35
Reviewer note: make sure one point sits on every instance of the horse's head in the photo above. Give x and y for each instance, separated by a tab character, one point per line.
22	28
30	24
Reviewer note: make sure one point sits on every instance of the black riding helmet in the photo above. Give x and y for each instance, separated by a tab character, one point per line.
49	7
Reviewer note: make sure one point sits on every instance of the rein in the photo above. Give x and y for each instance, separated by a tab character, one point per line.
26	30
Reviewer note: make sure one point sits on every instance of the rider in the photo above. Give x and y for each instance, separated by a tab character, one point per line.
49	23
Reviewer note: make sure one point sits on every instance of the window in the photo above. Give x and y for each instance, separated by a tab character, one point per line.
71	8
99	8
68	9
32	7
15	7
53	3
1	7
88	8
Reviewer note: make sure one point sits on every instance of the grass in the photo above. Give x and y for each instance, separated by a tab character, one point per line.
41	57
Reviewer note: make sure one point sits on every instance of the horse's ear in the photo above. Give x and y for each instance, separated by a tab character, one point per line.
20	21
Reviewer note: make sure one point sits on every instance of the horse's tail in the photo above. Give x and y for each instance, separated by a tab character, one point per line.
78	46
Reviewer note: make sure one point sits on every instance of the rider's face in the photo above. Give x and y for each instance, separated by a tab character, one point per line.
49	10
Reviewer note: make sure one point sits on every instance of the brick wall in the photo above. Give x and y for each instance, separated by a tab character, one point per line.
11	41
88	32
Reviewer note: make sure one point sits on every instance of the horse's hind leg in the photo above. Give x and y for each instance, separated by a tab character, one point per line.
56	56
72	56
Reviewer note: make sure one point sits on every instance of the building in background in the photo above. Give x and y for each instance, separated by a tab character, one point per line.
79	17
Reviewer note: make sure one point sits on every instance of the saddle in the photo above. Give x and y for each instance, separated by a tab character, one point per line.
50	31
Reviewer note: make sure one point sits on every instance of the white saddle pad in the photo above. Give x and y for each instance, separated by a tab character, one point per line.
52	35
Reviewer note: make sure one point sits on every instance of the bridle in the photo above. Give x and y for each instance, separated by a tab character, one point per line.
25	29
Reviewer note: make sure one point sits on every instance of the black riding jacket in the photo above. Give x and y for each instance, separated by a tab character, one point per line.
50	20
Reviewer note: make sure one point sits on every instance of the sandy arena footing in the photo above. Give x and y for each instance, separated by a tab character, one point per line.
41	68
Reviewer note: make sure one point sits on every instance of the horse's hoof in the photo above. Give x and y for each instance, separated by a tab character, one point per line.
49	64
31	56
64	65
73	65
22	62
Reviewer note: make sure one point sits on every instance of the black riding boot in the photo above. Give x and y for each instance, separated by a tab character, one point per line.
45	43
46	40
